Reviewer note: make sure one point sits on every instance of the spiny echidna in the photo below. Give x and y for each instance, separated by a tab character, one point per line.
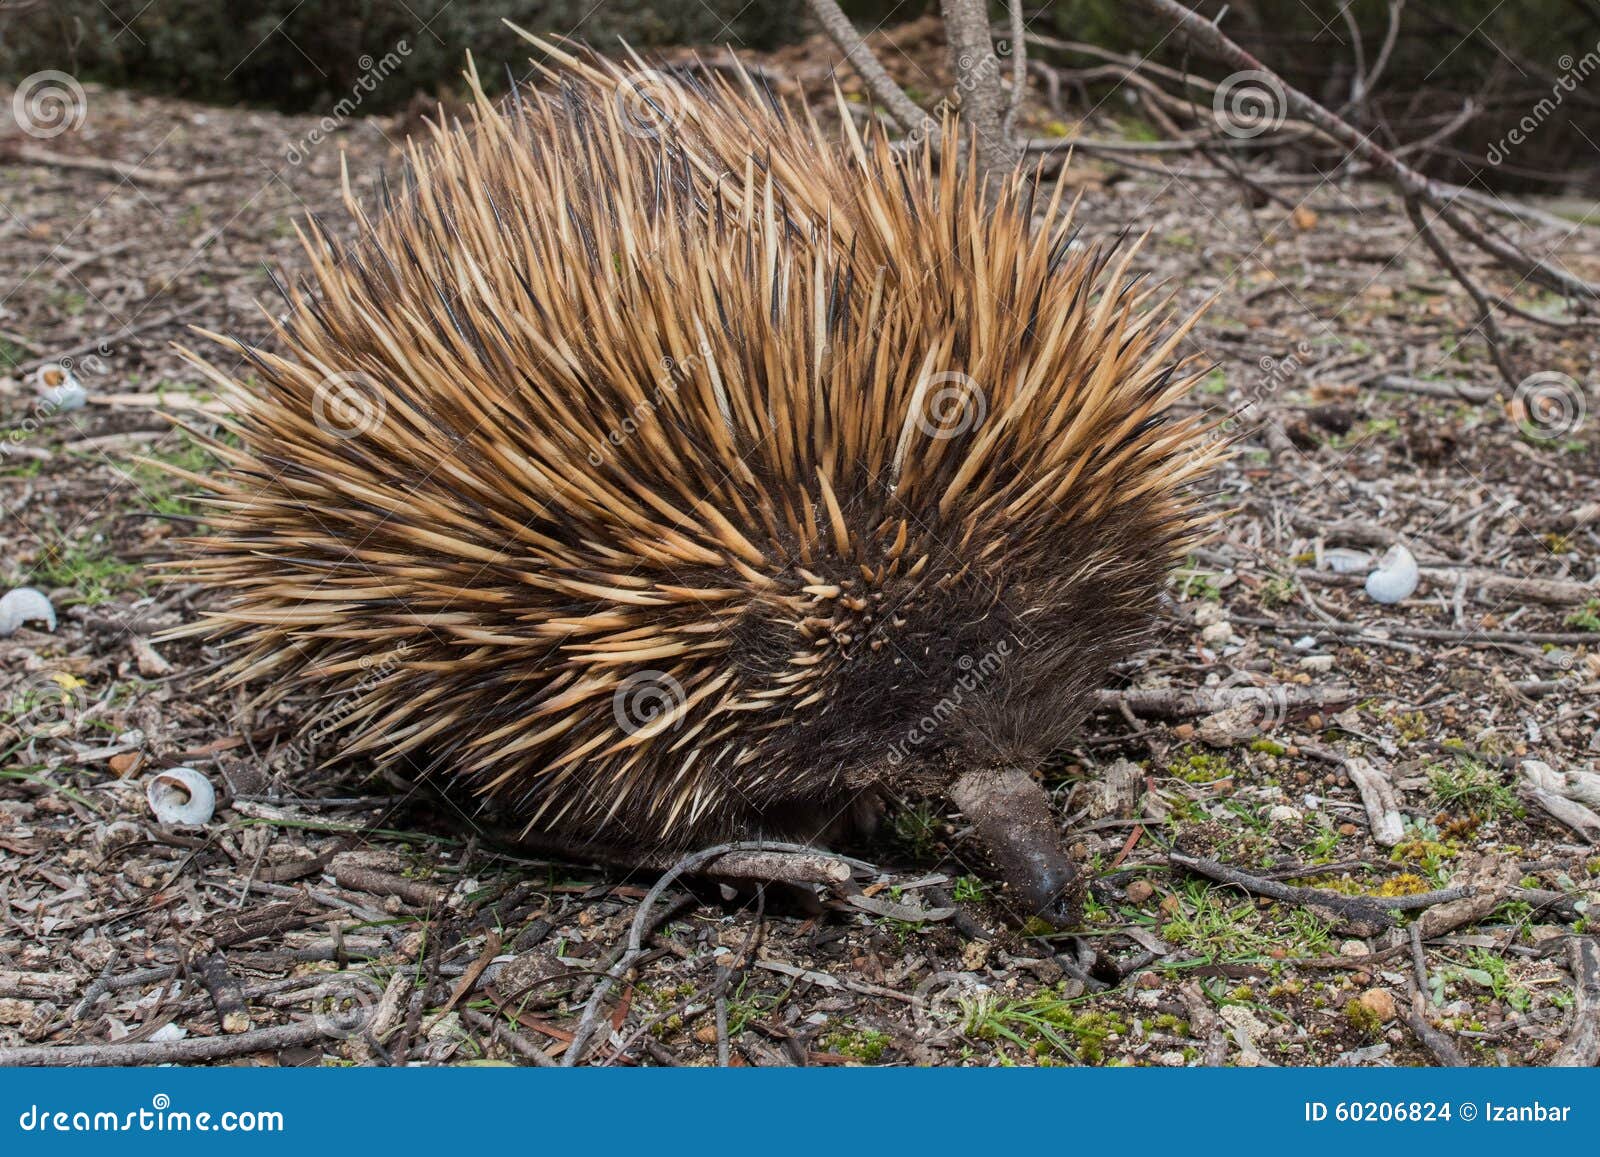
665	470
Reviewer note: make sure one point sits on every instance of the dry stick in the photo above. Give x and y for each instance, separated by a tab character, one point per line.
1377	793
1468	637
508	1036
690	863
137	174
1494	338
1174	704
1582	1049
181	1052
1132	65
1442	1047
227	994
781	867
1362	915
901	108
1410	183
1019	67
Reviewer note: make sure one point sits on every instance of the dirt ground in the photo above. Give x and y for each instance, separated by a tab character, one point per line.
341	918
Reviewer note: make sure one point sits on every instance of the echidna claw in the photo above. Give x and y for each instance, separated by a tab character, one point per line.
1012	816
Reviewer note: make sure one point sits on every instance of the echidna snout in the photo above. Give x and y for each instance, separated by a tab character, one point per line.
655	485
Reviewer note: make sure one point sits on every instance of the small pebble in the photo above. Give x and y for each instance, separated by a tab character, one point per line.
1139	891
1379	1001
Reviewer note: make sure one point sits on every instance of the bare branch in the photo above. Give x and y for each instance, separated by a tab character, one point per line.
1385	164
977	70
904	111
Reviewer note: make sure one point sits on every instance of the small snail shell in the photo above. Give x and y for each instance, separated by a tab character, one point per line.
25	605
1395	577
181	795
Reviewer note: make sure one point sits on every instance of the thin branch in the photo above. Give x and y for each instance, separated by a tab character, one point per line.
1384	163
1019	68
904	111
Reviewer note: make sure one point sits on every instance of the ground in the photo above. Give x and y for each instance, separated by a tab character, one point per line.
372	916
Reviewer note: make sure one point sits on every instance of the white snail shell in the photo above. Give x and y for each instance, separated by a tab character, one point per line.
60	388
1395	577
25	605
181	795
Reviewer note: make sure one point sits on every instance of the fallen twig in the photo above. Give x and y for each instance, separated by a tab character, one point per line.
1444	1049
1377	794
781	867
693	862
227	994
1582	1047
1357	915
1165	703
507	1036
180	1052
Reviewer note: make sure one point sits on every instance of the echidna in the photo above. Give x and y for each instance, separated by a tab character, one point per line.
663	470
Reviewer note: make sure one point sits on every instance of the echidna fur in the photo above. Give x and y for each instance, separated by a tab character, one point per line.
818	455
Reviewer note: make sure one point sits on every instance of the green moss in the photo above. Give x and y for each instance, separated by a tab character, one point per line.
1364	1020
865	1045
1586	619
1045	1025
1470	786
1268	747
1200	767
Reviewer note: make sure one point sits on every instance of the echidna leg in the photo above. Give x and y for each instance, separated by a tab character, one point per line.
1012	816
